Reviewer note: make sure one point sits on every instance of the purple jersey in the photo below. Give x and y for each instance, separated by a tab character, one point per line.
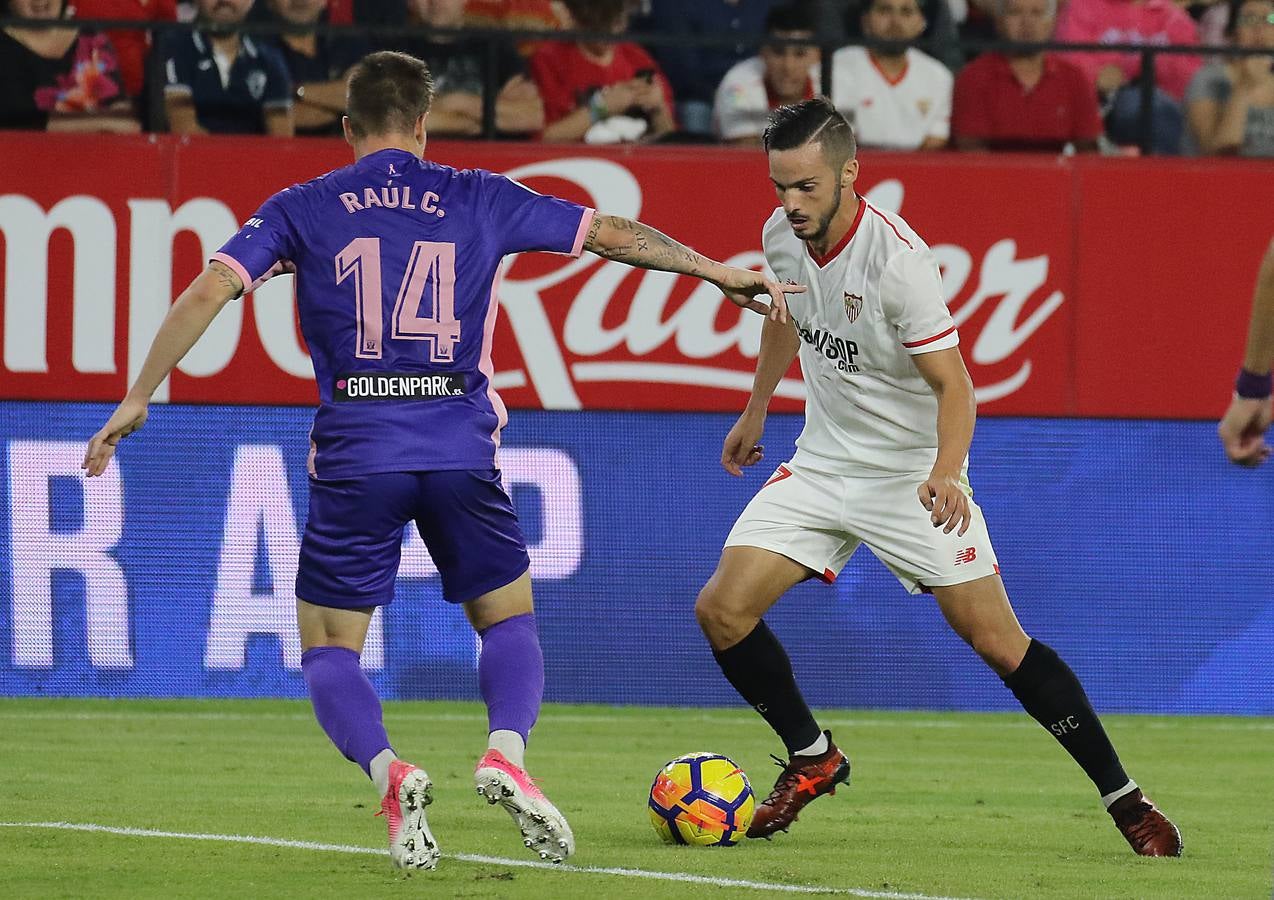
396	261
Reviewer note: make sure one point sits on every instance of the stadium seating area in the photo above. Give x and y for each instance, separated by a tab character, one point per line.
914	74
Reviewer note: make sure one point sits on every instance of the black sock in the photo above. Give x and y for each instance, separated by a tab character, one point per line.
1048	690
760	671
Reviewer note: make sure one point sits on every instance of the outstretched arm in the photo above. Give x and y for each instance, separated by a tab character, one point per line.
637	244
1243	426
185	323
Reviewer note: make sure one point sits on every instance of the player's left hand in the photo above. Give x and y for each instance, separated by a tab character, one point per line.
1242	431
947	502
743	287
127	418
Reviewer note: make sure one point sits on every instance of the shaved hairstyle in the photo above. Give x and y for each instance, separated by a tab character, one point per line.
809	122
387	92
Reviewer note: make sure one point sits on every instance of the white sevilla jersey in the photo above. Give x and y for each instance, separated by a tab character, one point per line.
872	303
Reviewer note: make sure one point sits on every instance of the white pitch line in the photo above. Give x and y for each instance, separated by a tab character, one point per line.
682	877
993	720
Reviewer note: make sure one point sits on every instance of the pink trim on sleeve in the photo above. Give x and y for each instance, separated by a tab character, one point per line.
235	266
585	222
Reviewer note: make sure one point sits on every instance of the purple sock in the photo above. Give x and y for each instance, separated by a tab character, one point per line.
345	703
511	674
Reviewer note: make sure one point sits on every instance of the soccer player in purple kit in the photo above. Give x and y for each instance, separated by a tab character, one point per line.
397	259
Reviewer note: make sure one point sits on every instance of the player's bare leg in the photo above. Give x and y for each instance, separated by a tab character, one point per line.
747	582
349	711
979	611
511	679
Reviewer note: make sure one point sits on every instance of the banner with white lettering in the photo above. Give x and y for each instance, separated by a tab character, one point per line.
172	575
1081	286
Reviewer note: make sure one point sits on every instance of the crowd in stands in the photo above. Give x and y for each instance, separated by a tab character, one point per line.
904	71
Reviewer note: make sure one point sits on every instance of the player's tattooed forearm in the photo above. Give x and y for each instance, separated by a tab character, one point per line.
226	277
645	247
590	241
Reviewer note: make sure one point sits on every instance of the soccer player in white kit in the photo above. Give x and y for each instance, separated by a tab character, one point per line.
882	461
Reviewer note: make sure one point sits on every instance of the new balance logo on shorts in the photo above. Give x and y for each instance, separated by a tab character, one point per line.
397	386
967	555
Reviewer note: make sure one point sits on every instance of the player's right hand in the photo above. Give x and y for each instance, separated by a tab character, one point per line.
127	418
743	287
1242	431
742	446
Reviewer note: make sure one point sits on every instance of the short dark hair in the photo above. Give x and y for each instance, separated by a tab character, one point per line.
811	121
596	15
387	92
793	16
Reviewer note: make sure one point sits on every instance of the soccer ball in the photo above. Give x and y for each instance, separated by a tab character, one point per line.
701	799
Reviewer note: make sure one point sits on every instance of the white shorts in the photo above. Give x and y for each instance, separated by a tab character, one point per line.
819	520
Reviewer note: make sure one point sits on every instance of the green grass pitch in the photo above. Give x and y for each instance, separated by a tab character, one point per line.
941	805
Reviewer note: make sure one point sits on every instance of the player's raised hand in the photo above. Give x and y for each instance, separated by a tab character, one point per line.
744	287
127	418
947	503
1242	430
742	446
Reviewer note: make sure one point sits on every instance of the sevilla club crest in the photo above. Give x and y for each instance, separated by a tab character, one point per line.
853	306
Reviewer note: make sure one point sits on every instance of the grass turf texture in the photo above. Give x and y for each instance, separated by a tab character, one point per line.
960	805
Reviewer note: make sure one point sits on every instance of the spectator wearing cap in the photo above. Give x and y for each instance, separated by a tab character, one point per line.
897	98
1027	99
317	65
777	76
601	91
59	79
458	65
1230	101
694	72
220	81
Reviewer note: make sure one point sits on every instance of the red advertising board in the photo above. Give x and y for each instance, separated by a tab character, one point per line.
1081	287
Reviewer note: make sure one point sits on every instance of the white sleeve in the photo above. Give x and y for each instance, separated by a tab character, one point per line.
911	298
730	109
940	119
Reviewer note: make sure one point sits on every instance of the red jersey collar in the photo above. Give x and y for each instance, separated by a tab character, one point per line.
822	261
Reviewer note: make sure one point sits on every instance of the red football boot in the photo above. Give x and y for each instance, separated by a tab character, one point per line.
804	778
1148	831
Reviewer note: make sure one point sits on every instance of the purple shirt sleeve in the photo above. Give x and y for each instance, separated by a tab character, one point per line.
531	221
262	248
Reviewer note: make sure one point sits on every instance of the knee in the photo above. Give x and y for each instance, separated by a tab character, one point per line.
722	623
1003	653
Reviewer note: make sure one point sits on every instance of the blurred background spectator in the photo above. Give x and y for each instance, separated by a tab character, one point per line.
1024	100
695	72
842	22
458	64
597	91
777	76
1155	22
131	46
219	81
317	65
59	79
517	15
896	99
1230	101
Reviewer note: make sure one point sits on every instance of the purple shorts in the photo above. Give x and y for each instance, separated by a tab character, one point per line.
354	534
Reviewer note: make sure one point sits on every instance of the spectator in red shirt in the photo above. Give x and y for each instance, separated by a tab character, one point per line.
131	46
600	91
1028	100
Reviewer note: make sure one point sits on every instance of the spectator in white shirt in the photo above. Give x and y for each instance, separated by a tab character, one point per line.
779	75
897	99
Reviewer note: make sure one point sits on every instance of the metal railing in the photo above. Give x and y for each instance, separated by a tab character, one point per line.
494	40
